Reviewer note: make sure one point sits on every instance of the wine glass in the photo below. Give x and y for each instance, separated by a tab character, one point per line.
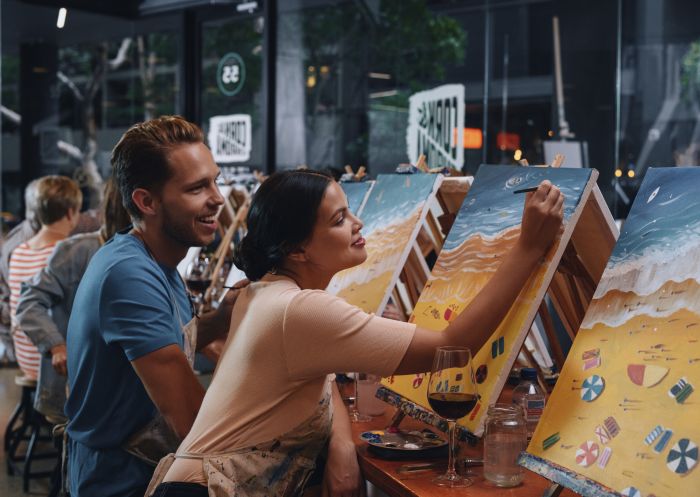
452	395
355	415
198	279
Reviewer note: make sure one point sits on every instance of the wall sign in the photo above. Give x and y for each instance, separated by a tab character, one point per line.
230	138
230	74
434	118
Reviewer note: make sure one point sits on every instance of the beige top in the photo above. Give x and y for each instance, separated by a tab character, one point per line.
283	344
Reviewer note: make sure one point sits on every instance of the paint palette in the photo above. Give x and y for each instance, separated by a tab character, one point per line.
409	444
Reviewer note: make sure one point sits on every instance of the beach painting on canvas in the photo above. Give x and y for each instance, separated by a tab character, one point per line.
392	217
356	192
623	410
486	228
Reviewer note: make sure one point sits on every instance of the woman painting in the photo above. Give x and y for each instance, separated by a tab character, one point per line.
268	412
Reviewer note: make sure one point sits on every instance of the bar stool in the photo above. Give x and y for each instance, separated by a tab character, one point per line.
58	433
26	424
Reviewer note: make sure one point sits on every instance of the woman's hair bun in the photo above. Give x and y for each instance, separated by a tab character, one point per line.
281	218
253	261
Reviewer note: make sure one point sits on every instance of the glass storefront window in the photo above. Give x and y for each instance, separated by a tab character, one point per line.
68	94
344	73
232	89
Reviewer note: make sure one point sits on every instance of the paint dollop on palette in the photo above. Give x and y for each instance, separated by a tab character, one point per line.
403	440
646	375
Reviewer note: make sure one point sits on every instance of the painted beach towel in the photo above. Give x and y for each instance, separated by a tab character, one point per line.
486	228
392	216
643	330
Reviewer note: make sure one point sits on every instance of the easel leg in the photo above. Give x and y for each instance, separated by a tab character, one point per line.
532	363
553	491
548	325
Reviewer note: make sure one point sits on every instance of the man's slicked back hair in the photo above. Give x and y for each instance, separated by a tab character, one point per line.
140	159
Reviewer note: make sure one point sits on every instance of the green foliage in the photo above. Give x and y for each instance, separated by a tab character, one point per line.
416	44
690	72
406	40
10	82
344	42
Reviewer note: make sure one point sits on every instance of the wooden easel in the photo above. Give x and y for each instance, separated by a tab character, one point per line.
237	216
354	176
579	270
431	237
591	214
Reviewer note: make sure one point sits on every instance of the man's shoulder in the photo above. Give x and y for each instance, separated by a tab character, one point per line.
117	262
123	253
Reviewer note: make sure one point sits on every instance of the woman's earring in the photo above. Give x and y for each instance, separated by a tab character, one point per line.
273	270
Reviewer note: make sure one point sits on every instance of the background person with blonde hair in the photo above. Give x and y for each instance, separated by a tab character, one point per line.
58	201
18	235
46	300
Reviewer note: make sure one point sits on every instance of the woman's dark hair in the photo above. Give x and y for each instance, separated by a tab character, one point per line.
281	217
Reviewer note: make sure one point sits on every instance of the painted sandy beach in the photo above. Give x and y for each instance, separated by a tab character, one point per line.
486	228
391	215
641	337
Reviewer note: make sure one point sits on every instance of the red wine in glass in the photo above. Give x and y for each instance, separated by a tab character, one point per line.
452	405
452	395
198	286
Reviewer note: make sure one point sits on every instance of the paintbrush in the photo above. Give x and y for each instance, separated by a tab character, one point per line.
525	190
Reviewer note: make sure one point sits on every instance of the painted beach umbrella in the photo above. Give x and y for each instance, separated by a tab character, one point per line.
587	453
592	387
646	375
631	492
682	457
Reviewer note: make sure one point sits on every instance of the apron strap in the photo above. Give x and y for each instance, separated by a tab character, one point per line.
159	473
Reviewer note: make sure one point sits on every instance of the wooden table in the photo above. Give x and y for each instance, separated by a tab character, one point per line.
383	473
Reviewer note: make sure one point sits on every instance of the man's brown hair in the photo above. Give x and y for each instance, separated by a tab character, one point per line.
55	196
140	159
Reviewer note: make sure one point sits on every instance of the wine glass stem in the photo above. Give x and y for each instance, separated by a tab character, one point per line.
451	424
354	404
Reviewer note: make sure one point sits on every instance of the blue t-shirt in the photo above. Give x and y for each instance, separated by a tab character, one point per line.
123	310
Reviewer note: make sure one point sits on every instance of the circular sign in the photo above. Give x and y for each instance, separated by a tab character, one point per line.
230	74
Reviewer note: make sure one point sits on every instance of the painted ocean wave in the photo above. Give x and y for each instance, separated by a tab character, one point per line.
645	274
490	206
617	308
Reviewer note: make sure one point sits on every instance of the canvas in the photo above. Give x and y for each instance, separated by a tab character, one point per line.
392	216
622	413
486	228
356	194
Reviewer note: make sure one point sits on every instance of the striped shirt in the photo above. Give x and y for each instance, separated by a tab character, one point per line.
25	262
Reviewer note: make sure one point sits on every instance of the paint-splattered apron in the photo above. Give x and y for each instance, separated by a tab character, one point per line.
277	468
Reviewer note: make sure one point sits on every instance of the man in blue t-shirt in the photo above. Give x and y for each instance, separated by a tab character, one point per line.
126	348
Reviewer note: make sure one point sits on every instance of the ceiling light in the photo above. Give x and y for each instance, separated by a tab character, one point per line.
248	7
379	75
61	21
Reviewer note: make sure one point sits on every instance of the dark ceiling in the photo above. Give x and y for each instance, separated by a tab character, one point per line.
121	8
